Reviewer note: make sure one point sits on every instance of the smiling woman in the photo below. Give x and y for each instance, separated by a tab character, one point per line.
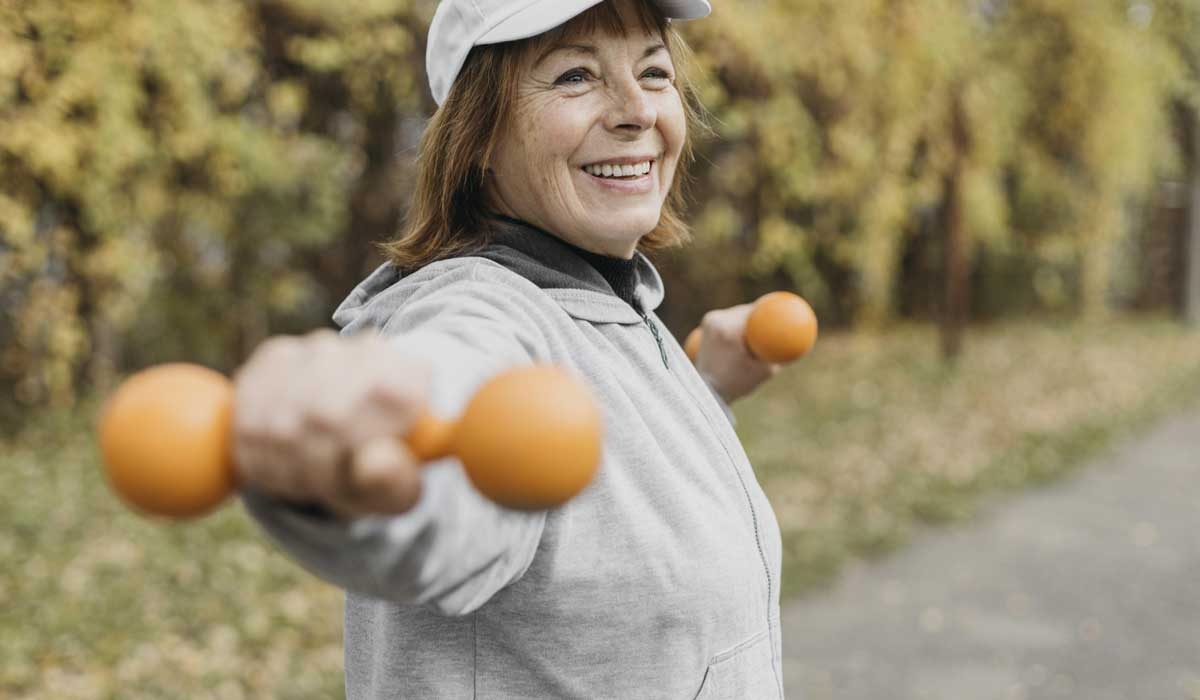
554	161
524	115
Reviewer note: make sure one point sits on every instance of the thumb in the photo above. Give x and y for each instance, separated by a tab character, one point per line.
383	477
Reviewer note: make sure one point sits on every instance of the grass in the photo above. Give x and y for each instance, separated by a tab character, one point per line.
857	445
100	604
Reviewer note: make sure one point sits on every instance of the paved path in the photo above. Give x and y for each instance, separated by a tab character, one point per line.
1088	589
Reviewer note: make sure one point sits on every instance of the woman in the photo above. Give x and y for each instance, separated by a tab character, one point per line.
554	156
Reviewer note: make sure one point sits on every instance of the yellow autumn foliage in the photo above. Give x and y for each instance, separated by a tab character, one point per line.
179	179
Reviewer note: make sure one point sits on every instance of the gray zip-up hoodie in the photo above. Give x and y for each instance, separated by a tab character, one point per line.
660	580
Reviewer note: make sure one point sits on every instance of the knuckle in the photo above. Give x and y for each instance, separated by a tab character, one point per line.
248	378
721	329
327	416
250	431
243	417
323	340
399	392
282	428
323	334
277	346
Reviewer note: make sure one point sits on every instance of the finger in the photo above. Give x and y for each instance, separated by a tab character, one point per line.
281	437
740	313
319	392
323	453
401	381
257	389
358	391
731	316
280	349
264	454
243	462
396	398
727	324
323	335
267	471
382	477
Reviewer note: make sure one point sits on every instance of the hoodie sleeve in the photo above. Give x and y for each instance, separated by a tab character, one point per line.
454	549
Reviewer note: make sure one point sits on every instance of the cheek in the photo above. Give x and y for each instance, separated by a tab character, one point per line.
540	184
551	144
552	136
526	172
673	123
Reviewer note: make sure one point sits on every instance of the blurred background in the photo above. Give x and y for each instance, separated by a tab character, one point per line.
993	206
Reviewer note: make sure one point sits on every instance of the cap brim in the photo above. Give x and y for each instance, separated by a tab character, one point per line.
684	9
538	17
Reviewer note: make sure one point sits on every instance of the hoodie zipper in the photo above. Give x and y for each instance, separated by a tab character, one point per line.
762	555
662	351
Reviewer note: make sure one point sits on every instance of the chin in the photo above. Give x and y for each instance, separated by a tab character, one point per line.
627	226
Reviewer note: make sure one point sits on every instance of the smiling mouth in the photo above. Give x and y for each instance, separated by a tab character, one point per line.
619	171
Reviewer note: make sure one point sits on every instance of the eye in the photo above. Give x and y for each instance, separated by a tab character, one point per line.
575	76
657	74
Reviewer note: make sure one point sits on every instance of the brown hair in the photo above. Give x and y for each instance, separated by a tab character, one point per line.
448	213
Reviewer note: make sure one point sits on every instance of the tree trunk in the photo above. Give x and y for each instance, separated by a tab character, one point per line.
1100	232
957	273
105	354
954	317
1191	298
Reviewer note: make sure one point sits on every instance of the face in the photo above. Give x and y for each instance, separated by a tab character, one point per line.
591	149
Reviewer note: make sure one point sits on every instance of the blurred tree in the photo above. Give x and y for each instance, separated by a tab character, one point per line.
839	130
862	130
179	179
1096	79
173	173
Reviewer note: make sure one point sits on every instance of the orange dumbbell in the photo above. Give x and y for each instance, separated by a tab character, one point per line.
781	328
529	439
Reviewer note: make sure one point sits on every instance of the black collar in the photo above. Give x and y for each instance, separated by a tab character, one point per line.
552	263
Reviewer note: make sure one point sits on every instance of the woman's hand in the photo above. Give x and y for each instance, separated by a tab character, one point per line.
724	361
316	421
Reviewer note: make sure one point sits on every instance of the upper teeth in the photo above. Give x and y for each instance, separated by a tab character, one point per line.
609	170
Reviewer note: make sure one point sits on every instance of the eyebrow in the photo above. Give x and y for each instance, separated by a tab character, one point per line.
592	51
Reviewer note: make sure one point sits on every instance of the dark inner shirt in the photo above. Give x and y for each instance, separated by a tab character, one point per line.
621	274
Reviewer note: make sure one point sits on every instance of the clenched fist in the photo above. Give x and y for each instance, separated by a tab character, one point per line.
724	360
318	420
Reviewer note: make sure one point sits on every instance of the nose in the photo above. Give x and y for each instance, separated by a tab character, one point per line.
631	110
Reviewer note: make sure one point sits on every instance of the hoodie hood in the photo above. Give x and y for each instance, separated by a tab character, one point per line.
554	266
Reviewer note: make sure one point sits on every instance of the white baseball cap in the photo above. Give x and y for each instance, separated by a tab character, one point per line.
459	25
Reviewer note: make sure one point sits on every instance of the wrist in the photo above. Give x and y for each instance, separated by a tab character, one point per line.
716	388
